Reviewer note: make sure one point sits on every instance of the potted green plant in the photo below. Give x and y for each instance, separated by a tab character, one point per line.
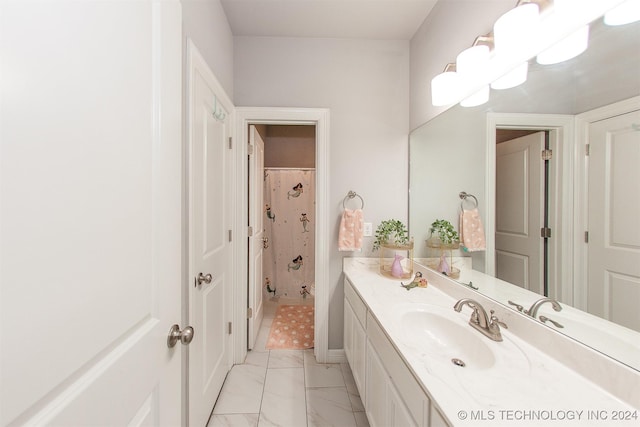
396	249
443	231
391	232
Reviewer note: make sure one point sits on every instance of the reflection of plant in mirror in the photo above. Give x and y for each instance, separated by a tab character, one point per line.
445	231
391	231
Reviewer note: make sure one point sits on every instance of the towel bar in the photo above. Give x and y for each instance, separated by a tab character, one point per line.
351	195
464	195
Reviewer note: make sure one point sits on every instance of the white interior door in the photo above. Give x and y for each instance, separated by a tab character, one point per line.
90	214
614	212
520	211
256	242
209	233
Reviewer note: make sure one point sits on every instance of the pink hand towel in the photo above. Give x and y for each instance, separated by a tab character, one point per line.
471	231
351	230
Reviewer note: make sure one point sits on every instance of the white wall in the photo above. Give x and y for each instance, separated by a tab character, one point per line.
205	23
365	86
451	27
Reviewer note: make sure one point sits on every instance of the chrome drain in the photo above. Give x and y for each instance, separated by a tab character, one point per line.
458	362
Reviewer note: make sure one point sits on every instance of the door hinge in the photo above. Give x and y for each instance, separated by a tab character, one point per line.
250	150
547	154
230	236
587	149
586	237
229	327
249	313
250	231
230	142
545	232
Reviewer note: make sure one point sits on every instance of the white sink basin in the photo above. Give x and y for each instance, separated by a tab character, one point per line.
443	337
437	334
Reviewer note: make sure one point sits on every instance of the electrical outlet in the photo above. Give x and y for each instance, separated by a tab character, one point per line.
368	229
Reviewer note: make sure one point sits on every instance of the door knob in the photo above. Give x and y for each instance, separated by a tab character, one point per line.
203	278
185	336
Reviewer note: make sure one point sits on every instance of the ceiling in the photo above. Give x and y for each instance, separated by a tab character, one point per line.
365	19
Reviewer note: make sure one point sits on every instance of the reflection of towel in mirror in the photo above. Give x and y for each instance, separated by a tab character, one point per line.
471	231
351	230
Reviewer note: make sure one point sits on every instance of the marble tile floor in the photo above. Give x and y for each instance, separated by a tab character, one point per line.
287	388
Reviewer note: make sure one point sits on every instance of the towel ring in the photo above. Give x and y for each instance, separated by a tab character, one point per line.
464	195
351	195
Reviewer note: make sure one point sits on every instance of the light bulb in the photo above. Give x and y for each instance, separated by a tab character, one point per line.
567	48
516	28
445	88
472	60
624	13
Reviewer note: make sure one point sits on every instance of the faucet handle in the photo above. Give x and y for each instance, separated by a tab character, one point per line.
516	305
475	316
495	323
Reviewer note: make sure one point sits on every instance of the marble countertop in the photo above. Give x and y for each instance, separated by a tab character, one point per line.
523	386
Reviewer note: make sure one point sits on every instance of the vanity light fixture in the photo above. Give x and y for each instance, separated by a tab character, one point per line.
570	46
551	30
445	87
516	29
469	62
624	13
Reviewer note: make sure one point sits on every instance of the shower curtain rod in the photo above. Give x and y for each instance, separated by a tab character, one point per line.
290	169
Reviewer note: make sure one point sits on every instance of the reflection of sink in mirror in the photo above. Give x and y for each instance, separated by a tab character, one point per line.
620	343
442	335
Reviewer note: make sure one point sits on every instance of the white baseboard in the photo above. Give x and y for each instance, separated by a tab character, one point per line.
336	356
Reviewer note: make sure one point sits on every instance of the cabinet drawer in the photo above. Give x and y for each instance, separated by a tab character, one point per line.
357	305
405	383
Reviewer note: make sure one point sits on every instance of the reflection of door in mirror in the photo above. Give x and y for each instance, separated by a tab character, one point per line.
613	212
520	211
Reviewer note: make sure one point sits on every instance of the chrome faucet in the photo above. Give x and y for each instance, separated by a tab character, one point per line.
488	326
533	311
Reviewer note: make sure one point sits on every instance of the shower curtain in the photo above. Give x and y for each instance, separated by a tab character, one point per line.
289	259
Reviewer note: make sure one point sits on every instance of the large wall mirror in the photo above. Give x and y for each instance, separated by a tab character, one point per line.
456	151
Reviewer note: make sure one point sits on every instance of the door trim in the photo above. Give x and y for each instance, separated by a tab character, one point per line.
561	218
283	116
581	198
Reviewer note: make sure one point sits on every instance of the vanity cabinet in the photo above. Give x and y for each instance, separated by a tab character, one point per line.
389	391
383	404
355	337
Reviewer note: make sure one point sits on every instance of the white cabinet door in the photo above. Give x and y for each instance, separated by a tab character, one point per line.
355	339
349	318
398	413
359	355
384	405
91	212
376	384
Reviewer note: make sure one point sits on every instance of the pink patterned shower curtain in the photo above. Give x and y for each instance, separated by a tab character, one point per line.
289	260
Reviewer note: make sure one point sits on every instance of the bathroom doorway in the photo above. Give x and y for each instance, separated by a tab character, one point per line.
522	207
282	207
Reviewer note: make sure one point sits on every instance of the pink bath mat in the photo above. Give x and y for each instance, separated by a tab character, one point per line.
292	328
